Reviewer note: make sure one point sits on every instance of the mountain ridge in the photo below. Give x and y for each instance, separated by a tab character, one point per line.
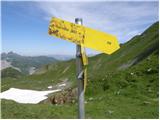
25	63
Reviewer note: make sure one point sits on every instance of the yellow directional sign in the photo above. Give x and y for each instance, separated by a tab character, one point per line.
84	56
79	34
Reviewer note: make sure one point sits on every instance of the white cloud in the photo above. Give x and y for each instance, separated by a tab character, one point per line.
123	19
116	18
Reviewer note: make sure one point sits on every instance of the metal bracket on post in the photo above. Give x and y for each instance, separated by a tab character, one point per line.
80	77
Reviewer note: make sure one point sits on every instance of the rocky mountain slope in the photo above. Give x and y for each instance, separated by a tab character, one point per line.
25	64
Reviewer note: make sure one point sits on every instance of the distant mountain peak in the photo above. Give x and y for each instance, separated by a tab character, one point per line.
13	53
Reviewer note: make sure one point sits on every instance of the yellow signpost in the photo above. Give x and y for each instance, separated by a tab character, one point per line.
83	37
79	34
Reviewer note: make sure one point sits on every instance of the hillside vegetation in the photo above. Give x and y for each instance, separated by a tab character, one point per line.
10	73
121	85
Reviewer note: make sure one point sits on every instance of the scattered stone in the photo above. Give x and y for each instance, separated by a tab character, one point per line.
110	112
148	70
73	101
117	92
146	102
132	73
66	79
90	99
148	58
149	90
62	85
66	96
50	87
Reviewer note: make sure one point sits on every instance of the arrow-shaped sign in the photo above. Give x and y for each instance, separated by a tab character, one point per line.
78	34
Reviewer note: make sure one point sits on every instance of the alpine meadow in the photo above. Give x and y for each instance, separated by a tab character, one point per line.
124	81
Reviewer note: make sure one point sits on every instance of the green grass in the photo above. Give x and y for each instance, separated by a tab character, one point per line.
14	110
102	106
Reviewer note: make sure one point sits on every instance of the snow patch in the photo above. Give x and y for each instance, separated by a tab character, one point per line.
62	85
32	70
49	87
26	96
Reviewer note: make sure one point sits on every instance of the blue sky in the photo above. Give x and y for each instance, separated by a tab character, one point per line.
25	24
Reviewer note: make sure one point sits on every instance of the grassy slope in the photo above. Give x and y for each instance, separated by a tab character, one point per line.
55	74
11	73
129	93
